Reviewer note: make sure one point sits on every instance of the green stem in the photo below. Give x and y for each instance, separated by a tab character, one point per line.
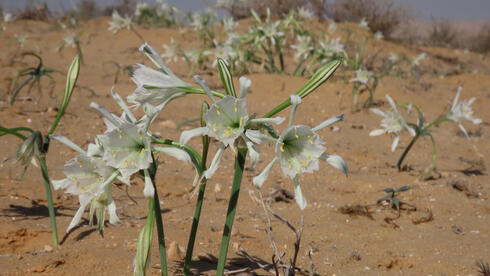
137	34
404	154
197	211
49	197
230	215
298	67
434	158
158	219
424	131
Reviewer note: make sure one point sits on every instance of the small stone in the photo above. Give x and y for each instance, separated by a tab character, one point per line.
175	252
48	248
364	169
217	188
236	246
168	124
208	258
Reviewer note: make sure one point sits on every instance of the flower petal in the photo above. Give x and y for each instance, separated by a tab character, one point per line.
329	122
395	143
298	195
215	163
336	161
377	132
76	218
149	190
377	112
175	153
68	142
262	177
275	120
188	134
244	86
464	130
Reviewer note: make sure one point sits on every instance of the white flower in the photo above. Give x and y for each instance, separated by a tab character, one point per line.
298	150
224	51
21	39
364	24
7	17
227	120
303	47
305	13
332	47
229	24
197	21
155	87
332	27
70	40
140	7
416	61
362	76
172	51
392	122
378	35
118	23
89	177
394	57
462	111
271	31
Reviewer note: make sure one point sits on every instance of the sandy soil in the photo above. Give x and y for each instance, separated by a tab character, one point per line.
447	234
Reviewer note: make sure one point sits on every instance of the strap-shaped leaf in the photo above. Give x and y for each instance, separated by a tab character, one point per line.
226	78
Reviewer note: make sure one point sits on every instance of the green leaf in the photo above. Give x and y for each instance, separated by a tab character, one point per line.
71	80
226	78
403	189
389	190
396	202
144	242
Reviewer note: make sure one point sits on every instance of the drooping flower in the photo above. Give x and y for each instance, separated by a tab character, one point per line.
89	177
118	22
156	87
462	111
392	122
30	150
227	120
298	150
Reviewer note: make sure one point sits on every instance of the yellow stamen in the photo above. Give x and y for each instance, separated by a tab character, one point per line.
132	163
310	139
218	111
236	107
126	163
296	134
141	135
282	147
214	127
75	179
80	163
120	134
290	165
114	154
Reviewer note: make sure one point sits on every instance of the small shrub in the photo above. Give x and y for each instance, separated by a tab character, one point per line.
442	33
32	11
123	7
383	16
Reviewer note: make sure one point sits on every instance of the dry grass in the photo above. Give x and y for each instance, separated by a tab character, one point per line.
33	11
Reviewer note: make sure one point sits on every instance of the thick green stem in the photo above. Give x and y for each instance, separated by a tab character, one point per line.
230	214
197	211
49	198
404	154
158	219
434	159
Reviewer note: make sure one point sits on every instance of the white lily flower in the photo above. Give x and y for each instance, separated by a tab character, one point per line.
21	39
127	148
378	35
303	47
89	178
462	111
332	27
298	150
362	76
364	24
332	47
118	22
227	120
8	17
229	24
155	87
416	61
140	7
305	13
271	31
224	51
394	57
172	51
392	122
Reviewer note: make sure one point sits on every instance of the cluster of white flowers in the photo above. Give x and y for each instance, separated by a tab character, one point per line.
125	148
303	47
462	111
362	76
416	60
